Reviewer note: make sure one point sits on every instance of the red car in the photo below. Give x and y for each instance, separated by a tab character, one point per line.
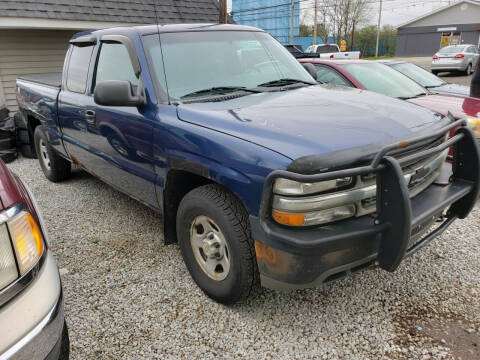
380	78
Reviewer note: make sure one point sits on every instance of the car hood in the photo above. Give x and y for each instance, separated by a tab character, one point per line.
458	106
453	89
311	120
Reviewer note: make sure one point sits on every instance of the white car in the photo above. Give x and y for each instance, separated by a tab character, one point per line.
332	51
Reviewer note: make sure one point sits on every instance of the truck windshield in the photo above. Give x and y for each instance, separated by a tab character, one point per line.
382	79
197	61
421	76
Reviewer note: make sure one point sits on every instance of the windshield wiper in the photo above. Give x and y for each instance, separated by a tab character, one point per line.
219	90
284	82
412	97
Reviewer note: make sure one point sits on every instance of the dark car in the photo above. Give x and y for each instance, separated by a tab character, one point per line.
433	83
31	301
262	175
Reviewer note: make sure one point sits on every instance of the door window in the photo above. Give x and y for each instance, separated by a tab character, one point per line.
114	64
78	68
328	75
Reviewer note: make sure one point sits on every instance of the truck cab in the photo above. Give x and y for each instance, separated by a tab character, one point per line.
262	175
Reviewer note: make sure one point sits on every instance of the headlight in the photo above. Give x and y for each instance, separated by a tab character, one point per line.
27	241
474	124
293	203
291	187
8	267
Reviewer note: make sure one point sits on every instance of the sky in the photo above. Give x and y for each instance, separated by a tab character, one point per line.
395	12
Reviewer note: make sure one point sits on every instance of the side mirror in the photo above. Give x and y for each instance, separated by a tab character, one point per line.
116	93
311	70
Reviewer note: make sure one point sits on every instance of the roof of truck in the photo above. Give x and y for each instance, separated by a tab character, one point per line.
151	29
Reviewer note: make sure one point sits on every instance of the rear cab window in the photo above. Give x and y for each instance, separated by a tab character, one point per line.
78	66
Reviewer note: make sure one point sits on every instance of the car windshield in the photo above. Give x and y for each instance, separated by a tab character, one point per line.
221	61
382	79
452	49
421	76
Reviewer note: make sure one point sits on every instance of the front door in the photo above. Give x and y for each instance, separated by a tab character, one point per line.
120	137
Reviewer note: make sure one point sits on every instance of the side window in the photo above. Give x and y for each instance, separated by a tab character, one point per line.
328	75
78	68
114	64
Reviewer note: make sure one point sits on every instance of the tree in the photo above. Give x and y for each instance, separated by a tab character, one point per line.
306	30
366	40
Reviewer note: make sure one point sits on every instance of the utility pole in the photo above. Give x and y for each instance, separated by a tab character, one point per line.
353	36
292	23
315	23
378	27
223	12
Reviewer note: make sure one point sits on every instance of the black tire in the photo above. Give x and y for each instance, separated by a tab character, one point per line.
59	168
230	216
434	72
65	348
28	151
468	70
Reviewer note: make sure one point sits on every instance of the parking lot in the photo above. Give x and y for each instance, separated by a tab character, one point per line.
129	296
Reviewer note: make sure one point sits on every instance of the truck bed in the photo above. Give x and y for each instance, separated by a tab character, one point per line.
53	79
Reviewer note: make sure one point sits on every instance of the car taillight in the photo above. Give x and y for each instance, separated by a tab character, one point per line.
435	57
360	56
331	56
459	56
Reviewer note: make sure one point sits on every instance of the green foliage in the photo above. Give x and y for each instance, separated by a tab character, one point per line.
366	39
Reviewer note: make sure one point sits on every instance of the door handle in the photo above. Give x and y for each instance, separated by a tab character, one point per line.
90	116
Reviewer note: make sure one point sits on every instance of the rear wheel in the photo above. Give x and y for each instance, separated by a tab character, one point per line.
214	236
468	70
434	72
53	165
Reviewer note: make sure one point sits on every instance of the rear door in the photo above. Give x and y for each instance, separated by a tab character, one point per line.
120	137
73	98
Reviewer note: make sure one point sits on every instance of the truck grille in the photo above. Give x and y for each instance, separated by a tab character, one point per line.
418	174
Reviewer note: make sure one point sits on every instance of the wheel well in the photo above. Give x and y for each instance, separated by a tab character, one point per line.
178	184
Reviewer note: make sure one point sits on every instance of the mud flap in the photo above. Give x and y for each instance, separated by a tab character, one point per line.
395	210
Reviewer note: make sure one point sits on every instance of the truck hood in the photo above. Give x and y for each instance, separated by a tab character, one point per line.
458	106
311	120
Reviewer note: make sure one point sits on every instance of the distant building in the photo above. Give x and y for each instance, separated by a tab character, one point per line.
273	16
453	24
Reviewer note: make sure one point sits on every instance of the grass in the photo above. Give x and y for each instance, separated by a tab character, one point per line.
95	240
377	58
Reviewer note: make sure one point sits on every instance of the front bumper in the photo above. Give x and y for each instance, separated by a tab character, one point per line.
32	322
304	257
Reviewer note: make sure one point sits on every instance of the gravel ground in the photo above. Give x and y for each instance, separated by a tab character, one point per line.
129	296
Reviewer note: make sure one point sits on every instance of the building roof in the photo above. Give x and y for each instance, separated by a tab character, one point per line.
455	3
113	11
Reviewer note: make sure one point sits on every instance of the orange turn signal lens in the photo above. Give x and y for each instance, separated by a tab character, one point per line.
289	219
27	240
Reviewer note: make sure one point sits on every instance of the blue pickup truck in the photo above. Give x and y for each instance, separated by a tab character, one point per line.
262	175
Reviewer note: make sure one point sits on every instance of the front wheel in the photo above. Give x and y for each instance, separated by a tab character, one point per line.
213	231
55	167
